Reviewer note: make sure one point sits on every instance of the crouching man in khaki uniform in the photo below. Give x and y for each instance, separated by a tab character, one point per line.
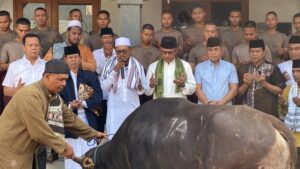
24	123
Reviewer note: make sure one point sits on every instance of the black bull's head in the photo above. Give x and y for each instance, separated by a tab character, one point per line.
87	160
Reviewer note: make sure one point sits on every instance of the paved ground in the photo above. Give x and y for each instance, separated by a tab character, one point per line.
59	164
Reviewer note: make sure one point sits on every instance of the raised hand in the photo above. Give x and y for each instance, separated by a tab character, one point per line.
153	81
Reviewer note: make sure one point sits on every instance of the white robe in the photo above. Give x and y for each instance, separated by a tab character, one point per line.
287	66
122	103
169	77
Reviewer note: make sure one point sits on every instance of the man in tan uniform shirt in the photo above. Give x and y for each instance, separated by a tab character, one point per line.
296	24
5	35
13	50
23	124
93	40
233	36
276	41
145	52
199	52
240	53
193	34
167	30
47	34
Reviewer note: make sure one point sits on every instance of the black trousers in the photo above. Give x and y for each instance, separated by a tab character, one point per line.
298	159
102	118
40	159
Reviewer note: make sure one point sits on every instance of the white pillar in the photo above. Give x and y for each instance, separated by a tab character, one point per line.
130	19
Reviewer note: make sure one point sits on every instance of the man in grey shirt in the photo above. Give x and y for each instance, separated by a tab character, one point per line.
199	52
193	34
240	53
145	52
277	42
13	50
47	34
233	36
103	21
167	30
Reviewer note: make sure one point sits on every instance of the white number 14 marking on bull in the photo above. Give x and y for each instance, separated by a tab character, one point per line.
178	126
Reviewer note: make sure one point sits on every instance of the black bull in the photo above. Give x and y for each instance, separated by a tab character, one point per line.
176	134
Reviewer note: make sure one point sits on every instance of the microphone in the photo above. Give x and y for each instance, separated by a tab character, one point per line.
122	73
123	69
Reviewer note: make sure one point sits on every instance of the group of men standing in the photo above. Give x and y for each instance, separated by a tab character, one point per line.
98	79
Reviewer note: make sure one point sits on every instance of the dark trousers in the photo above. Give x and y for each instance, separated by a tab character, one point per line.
102	118
41	158
298	159
144	98
2	76
193	98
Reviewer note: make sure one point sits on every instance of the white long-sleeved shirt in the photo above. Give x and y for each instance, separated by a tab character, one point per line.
24	70
101	61
169	76
287	67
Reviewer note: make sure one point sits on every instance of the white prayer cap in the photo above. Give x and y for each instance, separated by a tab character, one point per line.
73	23
122	41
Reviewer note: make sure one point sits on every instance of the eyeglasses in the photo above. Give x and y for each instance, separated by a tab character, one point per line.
124	52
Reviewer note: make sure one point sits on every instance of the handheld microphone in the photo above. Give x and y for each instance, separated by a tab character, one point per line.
122	73
123	69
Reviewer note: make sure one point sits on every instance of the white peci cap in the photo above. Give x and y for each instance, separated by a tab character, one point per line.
73	23
122	41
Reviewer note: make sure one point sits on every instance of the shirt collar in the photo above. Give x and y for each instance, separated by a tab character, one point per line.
44	89
25	60
264	61
171	63
212	64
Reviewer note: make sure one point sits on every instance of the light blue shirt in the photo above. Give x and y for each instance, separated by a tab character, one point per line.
215	80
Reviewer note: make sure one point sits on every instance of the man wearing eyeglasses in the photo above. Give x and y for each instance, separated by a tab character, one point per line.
123	78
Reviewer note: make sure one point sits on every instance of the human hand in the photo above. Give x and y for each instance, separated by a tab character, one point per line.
248	78
69	152
260	79
296	100
119	66
180	81
153	81
75	104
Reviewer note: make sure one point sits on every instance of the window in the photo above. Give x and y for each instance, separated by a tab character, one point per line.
58	11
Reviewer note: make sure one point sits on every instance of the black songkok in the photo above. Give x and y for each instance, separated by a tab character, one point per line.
294	39
106	31
296	63
71	50
213	42
56	66
168	42
259	43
